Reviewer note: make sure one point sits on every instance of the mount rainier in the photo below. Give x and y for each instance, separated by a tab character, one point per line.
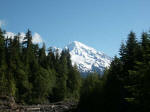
87	59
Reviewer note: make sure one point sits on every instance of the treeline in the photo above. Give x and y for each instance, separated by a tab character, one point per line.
31	76
125	86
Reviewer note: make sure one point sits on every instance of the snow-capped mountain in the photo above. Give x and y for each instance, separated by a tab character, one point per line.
87	59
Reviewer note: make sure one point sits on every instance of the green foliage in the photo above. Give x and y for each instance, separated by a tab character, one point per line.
33	77
3	66
125	85
74	82
91	93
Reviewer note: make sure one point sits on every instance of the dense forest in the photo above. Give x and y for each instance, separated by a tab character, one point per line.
125	86
31	76
34	75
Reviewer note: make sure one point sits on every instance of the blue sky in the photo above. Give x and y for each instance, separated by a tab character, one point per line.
101	24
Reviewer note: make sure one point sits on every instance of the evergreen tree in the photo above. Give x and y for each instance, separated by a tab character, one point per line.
140	99
114	88
91	94
42	57
61	78
50	58
3	66
74	82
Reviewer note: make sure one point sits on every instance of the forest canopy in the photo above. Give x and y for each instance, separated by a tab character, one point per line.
125	86
31	76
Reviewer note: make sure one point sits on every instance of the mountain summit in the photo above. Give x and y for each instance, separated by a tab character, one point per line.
87	59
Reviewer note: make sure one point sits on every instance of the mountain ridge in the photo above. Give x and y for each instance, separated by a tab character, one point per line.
87	58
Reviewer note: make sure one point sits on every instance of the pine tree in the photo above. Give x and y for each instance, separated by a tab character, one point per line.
27	48
141	78
42	57
114	87
3	66
51	58
41	86
130	51
61	79
74	82
91	94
